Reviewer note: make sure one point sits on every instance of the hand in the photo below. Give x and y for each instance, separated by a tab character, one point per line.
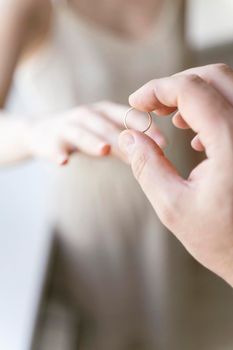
92	130
199	210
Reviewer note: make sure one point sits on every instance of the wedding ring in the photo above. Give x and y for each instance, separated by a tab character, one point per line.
149	120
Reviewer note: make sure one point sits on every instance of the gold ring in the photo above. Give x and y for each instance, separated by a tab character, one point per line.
149	120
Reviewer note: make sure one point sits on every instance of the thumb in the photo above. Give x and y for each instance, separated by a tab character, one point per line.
158	178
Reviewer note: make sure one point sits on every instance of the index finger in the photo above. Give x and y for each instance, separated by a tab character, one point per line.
200	104
218	75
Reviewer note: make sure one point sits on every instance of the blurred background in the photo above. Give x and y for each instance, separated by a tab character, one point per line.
63	286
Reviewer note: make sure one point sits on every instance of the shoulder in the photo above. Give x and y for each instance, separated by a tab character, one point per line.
31	17
24	8
38	18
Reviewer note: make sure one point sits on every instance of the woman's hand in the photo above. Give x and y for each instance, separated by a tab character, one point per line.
92	130
199	210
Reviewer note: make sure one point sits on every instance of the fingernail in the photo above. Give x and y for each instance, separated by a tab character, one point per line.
126	142
62	159
105	149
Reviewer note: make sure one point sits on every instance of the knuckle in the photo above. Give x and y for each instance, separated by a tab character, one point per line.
108	129
221	68
111	129
190	79
78	113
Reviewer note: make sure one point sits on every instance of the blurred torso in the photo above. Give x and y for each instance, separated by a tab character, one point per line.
104	219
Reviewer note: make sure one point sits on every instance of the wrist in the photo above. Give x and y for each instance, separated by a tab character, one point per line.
27	138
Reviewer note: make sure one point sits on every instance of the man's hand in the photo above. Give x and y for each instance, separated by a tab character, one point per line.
198	210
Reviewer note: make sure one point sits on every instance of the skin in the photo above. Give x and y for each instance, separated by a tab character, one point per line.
25	27
92	130
130	19
198	210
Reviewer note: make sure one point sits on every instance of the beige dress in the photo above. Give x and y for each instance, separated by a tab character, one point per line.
117	264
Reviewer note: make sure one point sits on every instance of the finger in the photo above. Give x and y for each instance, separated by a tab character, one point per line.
218	75
145	99
136	121
156	175
86	142
98	124
179	122
111	111
197	145
201	106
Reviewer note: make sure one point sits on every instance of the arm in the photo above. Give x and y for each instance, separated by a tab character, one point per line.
22	26
14	136
92	130
21	29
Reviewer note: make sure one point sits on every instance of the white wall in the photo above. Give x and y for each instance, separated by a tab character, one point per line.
24	246
210	22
